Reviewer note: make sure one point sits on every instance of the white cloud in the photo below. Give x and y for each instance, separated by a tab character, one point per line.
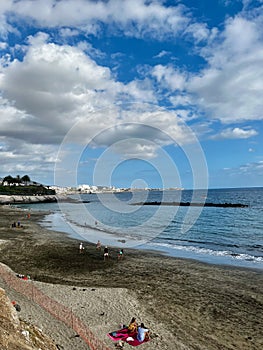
138	17
199	31
56	87
136	148
252	168
236	133
53	87
247	174
90	50
3	45
140	90
168	77
162	53
68	32
19	157
230	88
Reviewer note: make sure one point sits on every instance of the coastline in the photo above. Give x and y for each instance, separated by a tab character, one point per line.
188	304
54	221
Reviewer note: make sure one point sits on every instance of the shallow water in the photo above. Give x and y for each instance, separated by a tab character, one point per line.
212	234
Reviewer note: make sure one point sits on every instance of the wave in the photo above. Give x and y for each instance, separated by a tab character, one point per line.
211	252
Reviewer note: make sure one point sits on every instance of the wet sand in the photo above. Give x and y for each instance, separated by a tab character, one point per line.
186	304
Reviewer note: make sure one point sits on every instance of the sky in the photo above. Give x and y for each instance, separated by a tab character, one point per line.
132	93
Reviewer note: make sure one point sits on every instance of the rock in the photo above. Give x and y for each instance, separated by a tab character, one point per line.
16	334
5	199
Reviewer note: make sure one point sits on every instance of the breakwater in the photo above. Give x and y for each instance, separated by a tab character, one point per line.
192	204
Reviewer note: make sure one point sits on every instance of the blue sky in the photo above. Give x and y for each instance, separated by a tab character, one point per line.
132	92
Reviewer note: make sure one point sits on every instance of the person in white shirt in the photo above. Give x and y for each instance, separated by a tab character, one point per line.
143	333
81	247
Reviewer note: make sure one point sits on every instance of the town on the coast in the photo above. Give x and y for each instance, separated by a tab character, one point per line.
25	186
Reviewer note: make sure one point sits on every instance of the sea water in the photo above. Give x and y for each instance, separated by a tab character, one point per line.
218	235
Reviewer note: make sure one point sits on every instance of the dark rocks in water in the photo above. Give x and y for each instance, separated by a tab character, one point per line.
188	204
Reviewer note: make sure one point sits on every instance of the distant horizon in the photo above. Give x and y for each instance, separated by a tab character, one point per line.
174	188
139	188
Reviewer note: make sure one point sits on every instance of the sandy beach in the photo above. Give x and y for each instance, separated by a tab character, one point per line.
186	304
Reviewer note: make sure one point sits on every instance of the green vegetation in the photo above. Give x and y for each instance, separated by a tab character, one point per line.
23	186
17	180
26	190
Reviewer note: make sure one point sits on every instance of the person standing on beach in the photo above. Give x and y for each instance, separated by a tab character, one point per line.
98	246
106	253
81	248
120	254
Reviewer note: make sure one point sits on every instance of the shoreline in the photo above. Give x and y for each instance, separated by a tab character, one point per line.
186	304
55	222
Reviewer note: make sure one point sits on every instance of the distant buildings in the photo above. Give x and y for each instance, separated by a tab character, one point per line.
85	188
95	189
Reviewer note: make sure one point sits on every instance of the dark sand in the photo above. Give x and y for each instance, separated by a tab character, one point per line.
204	306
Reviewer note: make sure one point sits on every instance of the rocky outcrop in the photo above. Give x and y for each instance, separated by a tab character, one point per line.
19	335
5	199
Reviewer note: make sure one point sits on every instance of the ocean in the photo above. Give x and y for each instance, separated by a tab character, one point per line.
215	235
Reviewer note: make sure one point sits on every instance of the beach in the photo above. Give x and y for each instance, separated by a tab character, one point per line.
186	304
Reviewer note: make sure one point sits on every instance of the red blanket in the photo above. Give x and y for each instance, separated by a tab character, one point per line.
130	338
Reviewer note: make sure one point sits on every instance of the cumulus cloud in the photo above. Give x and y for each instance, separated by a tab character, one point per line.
199	31
230	88
59	87
168	77
138	17
56	85
19	157
52	88
236	133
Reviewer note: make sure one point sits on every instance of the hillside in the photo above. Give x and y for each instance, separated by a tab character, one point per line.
26	190
19	335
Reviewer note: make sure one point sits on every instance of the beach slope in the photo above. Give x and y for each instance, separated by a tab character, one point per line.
186	304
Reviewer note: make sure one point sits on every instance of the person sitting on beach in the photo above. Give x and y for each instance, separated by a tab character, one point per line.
143	333
98	246
106	253
133	326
